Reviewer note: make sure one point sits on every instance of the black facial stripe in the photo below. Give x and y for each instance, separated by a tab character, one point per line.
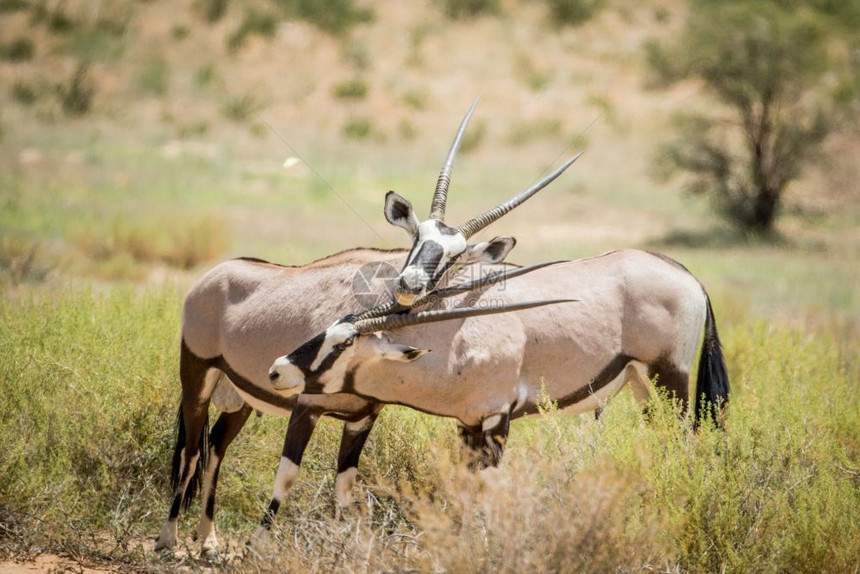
304	356
428	256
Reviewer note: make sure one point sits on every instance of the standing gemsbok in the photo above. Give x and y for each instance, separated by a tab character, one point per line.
230	335
639	316
235	320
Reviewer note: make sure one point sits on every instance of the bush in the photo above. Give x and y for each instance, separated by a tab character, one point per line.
334	16
19	50
465	9
154	77
255	23
77	95
351	90
240	108
362	129
573	12
766	63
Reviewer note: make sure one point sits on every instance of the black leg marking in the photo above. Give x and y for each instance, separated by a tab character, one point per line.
672	379
352	444
226	429
299	431
486	446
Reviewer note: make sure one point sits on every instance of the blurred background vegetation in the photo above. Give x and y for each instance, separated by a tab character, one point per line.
141	142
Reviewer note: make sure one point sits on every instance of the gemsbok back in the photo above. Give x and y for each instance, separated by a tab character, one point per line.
638	317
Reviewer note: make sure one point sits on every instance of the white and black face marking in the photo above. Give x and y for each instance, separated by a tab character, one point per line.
436	247
329	351
320	365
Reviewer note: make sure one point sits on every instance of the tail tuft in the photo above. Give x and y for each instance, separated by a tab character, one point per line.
712	392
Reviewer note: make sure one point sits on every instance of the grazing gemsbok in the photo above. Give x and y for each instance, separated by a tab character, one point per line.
639	316
235	321
437	246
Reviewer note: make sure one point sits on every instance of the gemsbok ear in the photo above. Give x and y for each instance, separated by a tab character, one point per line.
396	352
493	251
398	211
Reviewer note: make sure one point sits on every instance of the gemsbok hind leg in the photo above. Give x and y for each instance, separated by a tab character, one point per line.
675	379
223	432
486	444
191	440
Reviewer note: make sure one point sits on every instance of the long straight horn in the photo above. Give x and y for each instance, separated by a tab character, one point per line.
491	278
440	197
478	223
399	321
487	280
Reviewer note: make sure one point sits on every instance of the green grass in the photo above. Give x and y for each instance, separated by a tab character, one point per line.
86	420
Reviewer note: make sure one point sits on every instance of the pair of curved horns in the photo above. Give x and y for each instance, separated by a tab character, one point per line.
440	196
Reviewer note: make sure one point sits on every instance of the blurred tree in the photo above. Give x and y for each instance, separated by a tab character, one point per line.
775	66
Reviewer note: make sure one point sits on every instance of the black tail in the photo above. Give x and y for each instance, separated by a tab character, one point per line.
197	479
712	386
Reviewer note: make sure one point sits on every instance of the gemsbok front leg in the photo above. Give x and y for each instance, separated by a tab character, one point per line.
299	431
352	442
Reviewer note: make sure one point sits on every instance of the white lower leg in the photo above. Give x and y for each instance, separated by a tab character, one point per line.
343	486
167	537
206	526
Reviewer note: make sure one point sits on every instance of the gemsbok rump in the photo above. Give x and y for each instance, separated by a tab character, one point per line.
638	317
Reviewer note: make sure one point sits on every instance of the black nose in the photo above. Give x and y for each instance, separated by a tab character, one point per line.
273	376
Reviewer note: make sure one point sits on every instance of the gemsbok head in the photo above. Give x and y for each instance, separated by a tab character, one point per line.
436	246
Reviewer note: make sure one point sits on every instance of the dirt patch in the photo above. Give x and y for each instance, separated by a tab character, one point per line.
51	563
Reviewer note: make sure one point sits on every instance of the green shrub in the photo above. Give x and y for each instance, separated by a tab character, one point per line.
76	96
362	129
212	10
254	23
19	50
205	76
525	132
573	12
355	89
334	16
466	9
240	108
24	93
154	77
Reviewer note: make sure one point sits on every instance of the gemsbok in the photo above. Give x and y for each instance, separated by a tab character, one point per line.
235	321
230	335
638	318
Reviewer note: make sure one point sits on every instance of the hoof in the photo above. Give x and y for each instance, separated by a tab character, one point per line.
167	537
261	543
211	555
